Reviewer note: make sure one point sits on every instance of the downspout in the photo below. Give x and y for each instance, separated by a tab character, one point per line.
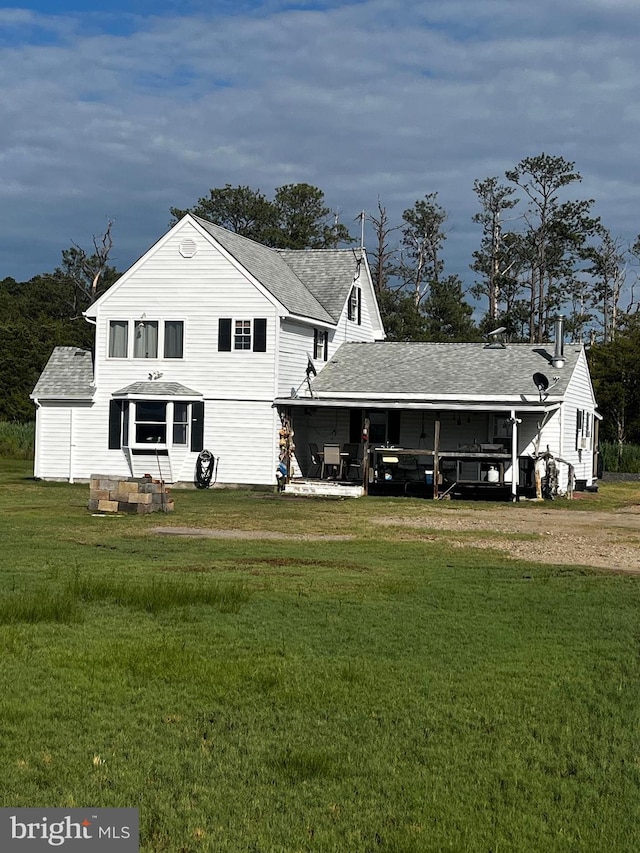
436	451
36	449
71	444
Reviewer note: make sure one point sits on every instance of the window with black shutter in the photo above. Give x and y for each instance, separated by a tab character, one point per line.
260	335
320	344
115	424
224	334
197	426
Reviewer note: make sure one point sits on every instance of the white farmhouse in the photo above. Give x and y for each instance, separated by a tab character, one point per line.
211	340
192	346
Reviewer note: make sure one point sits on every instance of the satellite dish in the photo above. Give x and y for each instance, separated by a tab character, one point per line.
542	384
499	331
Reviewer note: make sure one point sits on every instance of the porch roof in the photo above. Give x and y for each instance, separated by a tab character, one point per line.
156	389
444	373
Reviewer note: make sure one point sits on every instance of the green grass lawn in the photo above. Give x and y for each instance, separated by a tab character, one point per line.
371	694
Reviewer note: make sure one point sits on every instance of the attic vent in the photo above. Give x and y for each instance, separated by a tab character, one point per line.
188	248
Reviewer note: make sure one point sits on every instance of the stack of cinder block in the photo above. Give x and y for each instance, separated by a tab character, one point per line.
133	494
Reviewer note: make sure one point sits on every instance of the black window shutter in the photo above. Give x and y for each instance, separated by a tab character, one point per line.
393	426
315	343
260	335
359	291
125	423
326	345
115	424
224	334
197	425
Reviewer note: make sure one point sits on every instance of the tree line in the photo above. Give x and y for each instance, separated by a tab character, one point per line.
539	253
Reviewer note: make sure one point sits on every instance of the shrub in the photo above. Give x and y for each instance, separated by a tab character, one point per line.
17	440
625	459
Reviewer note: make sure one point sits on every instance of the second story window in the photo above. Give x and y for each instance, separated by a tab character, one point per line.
145	339
320	344
118	338
151	338
242	334
354	306
173	338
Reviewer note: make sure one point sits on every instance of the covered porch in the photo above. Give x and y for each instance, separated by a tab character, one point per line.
454	450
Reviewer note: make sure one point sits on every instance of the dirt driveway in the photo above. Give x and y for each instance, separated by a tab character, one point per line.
606	540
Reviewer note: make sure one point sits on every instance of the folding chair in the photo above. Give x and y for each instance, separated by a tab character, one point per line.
332	458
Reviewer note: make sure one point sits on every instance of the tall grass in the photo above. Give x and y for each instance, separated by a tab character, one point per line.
152	595
625	459
17	440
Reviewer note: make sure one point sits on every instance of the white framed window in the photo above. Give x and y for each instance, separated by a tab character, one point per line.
151	338
142	425
354	305
584	421
242	335
173	339
150	422
320	344
180	423
118	338
145	339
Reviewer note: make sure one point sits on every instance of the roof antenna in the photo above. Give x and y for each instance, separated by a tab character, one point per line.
362	216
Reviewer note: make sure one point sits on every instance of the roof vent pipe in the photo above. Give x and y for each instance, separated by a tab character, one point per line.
558	356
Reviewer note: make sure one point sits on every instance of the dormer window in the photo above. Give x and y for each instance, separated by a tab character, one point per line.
320	344
354	306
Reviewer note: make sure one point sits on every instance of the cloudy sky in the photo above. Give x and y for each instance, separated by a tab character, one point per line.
114	110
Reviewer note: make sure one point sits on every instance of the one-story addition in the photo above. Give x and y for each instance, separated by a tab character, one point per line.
274	361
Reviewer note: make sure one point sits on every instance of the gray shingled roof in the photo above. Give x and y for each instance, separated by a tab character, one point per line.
68	375
327	273
271	270
157	389
432	370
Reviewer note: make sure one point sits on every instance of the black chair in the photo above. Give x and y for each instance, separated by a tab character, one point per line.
354	461
316	466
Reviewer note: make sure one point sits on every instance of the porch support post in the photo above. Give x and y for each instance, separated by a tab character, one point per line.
515	470
436	451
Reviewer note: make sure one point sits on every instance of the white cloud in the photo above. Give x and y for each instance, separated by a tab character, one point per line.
366	100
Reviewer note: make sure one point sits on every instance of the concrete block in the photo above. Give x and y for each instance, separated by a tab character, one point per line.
108	506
